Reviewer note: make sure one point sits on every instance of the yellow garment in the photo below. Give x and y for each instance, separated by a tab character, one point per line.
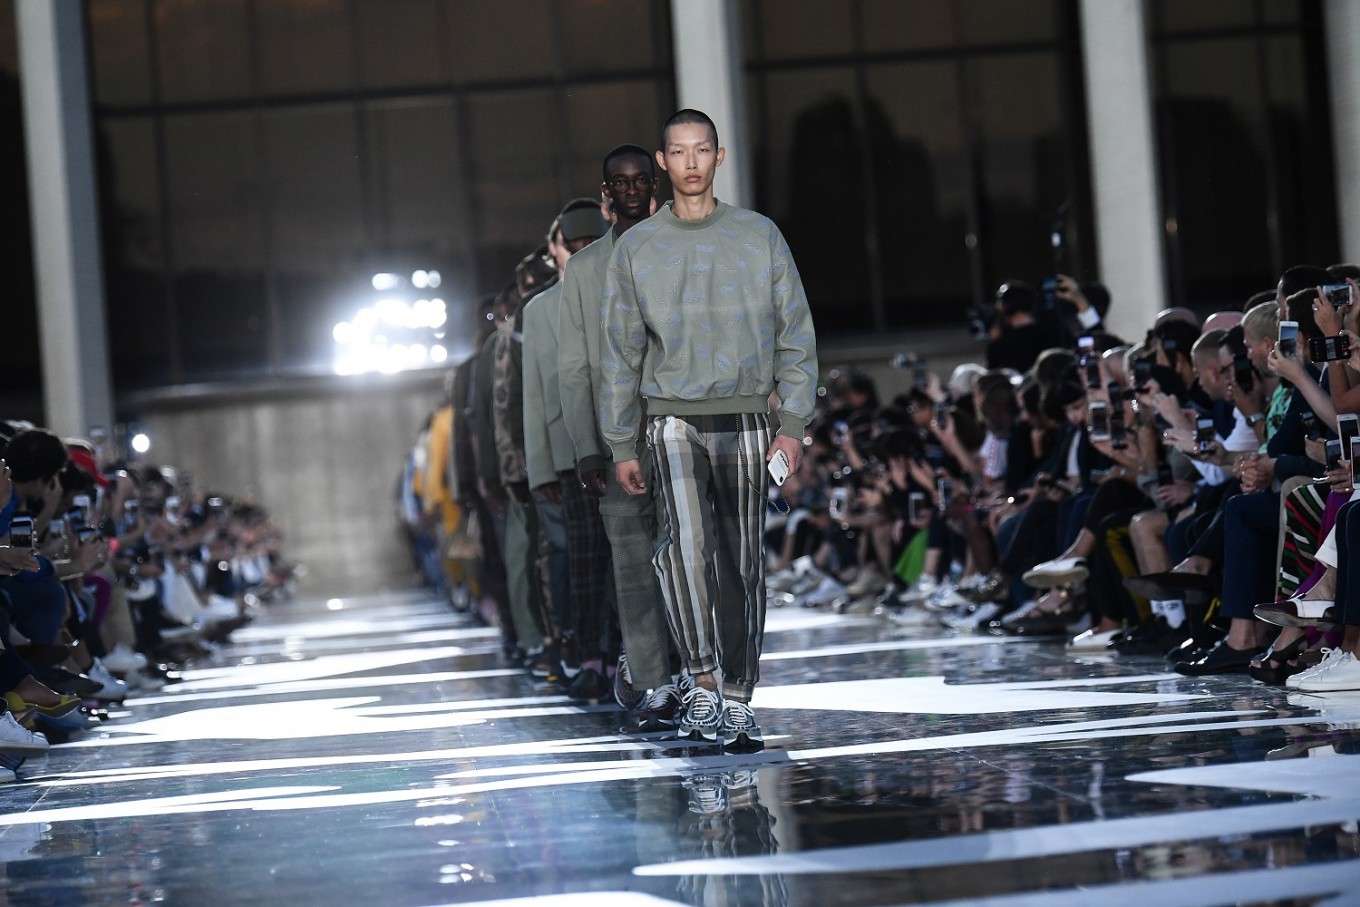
434	487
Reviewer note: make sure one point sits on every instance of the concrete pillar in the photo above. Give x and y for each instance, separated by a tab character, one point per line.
1341	19
709	77
65	214
1128	218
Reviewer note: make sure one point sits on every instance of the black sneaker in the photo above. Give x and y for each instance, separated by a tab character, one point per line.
626	695
739	732
589	685
659	710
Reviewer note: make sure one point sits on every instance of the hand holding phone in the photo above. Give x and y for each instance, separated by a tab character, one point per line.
778	467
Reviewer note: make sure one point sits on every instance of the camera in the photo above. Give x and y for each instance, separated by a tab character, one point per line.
1312	428
1329	349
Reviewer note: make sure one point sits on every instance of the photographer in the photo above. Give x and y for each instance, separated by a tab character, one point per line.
1017	335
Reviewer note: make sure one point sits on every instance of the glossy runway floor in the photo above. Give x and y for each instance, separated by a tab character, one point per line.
377	751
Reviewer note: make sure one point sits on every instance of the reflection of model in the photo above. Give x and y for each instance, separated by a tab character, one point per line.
705	316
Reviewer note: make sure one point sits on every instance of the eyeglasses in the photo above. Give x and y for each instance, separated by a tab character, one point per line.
621	183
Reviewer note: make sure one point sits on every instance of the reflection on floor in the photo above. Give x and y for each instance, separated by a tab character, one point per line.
383	753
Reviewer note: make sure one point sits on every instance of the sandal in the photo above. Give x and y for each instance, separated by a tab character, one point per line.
1274	667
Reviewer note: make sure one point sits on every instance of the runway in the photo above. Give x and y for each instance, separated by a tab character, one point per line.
379	751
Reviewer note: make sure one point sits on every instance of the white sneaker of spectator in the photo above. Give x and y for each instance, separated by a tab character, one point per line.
868	580
946	598
1063	571
925	586
113	689
18	740
219	609
978	617
122	660
826	592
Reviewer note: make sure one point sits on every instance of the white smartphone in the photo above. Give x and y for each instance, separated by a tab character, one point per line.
1289	338
778	467
1347	427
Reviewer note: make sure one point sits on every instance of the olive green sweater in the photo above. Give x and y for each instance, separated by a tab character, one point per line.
704	317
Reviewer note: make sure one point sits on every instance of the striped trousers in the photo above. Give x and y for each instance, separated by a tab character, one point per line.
711	491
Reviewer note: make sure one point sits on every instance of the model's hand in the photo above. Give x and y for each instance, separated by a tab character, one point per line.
593	482
629	474
792	447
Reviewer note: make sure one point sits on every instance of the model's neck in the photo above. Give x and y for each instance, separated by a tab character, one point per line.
695	207
623	224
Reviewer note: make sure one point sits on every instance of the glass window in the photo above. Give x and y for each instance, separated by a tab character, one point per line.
812	168
802	28
305	46
891	25
1219	201
517	188
1176	15
401	44
316	217
204	50
921	164
612	35
1023	163
1007	21
9	40
120	62
508	39
604	115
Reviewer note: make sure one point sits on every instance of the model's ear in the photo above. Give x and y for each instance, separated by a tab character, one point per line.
652	209
661	159
722	153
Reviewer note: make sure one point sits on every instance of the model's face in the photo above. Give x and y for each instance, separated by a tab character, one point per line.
629	185
690	158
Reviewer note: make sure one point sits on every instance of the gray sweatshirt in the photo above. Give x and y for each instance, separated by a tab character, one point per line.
704	317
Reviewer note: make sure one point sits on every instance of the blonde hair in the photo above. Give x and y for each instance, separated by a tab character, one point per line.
1262	321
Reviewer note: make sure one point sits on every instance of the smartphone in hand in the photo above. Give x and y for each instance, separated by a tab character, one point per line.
778	467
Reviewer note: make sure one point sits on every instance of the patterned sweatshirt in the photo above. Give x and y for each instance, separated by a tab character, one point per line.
704	317
578	349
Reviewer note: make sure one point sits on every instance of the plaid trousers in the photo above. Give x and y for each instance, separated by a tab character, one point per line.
711	486
588	560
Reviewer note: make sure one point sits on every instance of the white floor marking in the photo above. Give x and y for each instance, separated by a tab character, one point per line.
788	620
1302	777
895	645
1025	843
932	696
579	899
254	675
1253	886
319	686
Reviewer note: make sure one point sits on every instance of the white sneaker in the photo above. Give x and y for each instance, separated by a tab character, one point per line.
946	599
869	580
826	592
979	617
16	739
1342	673
1328	656
122	660
1092	641
219	609
1063	571
113	690
7	776
925	586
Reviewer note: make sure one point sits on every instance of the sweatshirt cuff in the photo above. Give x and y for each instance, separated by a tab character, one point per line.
623	452
590	463
792	426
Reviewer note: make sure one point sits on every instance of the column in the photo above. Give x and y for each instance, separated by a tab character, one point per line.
65	214
1128	216
1341	21
709	77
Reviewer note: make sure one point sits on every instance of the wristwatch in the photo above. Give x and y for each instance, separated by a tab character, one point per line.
1256	419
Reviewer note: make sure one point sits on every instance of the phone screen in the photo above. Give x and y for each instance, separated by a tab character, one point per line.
1204	435
1289	338
1098	416
21	532
1333	455
1347	427
1355	462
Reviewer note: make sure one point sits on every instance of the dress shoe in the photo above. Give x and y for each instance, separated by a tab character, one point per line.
65	706
1299	612
1221	659
61	680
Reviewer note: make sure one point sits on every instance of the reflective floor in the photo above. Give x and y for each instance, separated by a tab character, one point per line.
378	751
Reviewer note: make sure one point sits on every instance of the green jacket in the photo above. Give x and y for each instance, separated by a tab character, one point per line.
547	446
578	350
704	317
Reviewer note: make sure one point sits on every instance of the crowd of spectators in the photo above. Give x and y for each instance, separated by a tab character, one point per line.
1187	494
112	576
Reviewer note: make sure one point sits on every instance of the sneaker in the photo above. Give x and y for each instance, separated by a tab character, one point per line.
7	776
589	685
1330	657
658	709
925	586
14	738
978	617
122	660
112	689
1093	640
739	731
1063	571
1342	674
707	794
626	695
946	599
992	588
702	717
827	590
869	580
